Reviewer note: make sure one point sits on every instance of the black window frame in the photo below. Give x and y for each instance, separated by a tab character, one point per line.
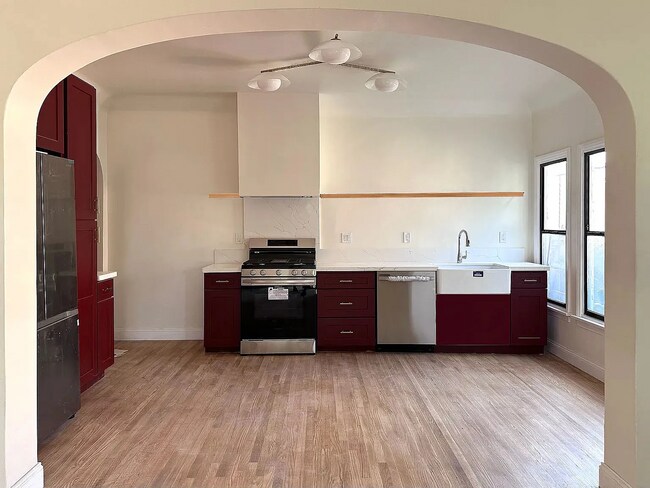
587	233
542	231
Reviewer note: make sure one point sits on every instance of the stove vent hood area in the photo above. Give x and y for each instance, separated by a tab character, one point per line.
279	149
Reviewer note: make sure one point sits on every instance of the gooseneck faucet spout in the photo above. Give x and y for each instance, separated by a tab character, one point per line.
460	257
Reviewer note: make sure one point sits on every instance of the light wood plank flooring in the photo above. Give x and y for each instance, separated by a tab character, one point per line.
169	415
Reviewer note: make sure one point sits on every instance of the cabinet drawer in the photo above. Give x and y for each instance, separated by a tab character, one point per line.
218	281
346	303
528	279
104	290
365	279
342	333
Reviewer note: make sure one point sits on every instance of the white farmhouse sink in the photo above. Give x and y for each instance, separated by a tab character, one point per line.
473	279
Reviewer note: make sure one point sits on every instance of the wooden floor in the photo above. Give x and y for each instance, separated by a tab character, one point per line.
169	415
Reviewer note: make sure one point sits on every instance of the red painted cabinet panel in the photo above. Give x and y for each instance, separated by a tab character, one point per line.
105	327
50	130
88	359
528	322
340	333
87	301
473	319
346	303
81	143
221	315
357	279
346	310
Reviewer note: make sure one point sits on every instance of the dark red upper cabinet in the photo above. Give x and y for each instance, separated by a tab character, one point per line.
81	144
50	131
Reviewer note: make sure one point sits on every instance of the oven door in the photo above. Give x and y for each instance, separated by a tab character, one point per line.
278	311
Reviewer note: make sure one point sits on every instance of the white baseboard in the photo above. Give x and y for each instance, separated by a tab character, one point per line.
33	478
576	360
609	478
158	334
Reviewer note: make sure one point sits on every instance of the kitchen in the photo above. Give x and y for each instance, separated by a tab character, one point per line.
288	184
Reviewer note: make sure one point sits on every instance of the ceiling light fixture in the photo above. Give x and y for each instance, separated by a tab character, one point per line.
335	51
269	81
385	82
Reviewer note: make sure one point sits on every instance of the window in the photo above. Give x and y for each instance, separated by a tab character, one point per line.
553	212
594	245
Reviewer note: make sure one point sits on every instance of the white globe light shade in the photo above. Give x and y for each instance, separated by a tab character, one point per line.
335	51
269	82
385	82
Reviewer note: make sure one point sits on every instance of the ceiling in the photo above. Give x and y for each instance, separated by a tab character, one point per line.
442	75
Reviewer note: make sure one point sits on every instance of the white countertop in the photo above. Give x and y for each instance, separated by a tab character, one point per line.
388	266
106	275
223	268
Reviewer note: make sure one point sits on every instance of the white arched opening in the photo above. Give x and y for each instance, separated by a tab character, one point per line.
19	196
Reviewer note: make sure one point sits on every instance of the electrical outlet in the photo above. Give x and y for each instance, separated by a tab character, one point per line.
406	237
503	237
239	238
346	237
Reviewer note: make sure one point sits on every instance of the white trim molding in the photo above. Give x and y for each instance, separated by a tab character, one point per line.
158	334
573	358
610	479
32	479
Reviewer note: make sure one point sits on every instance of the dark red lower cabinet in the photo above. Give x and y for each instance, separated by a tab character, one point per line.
346	333
473	320
106	324
221	331
528	317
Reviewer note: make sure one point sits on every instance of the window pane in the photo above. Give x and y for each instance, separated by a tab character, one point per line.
554	255
596	274
554	202
597	192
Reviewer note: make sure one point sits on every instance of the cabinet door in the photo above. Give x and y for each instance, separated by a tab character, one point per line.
50	130
105	326
464	320
528	317
87	301
222	320
81	144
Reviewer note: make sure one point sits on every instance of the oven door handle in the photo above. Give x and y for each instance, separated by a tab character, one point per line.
290	282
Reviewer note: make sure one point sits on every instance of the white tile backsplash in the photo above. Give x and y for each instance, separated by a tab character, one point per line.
280	217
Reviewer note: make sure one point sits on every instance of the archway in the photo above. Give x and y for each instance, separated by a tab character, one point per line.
19	132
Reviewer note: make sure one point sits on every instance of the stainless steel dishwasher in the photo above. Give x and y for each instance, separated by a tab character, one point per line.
406	311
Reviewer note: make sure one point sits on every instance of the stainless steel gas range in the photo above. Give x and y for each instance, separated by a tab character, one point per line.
278	308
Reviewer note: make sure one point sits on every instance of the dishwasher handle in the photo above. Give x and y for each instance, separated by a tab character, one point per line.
406	278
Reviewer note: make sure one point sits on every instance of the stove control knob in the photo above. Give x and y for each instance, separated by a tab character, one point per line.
253	272
294	272
263	272
304	272
278	272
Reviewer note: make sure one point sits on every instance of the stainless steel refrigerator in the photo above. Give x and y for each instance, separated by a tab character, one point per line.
56	280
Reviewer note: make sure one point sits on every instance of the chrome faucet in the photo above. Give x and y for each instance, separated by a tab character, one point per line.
460	257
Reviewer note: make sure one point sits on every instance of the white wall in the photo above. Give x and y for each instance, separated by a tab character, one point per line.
389	153
567	125
167	153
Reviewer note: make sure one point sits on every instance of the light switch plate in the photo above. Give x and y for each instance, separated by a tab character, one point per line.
346	237
502	237
406	237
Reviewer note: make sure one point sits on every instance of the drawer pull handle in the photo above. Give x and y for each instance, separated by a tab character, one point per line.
345	281
346	332
531	281
222	281
531	338
346	303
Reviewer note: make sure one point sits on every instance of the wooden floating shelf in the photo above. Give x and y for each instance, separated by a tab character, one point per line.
452	194
456	194
224	195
